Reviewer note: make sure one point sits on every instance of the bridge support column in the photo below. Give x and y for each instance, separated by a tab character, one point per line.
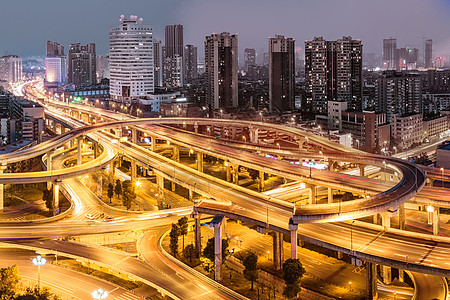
134	135
330	195
56	196
133	170
312	193
261	181
173	186
160	183
2	186
253	135
235	173
112	169
228	170
197	231
96	150
401	217
433	218
361	170
196	127
100	184
401	275
278	253
371	281
387	274
153	144
218	224
191	195
200	162
176	153
49	166
79	149
293	228
386	219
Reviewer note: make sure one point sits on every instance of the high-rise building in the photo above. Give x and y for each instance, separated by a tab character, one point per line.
158	62
249	57
428	53
101	66
398	93
221	68
82	64
11	68
190	63
333	72
281	73
55	63
130	59
390	54
407	58
173	61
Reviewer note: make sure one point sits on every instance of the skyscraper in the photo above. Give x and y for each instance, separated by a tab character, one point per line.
281	73
82	64
333	71
190	63
389	54
158	62
249	57
130	59
55	63
173	62
54	49
429	53
221	68
11	68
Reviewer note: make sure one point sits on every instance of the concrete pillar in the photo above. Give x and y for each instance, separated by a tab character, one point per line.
436	227
401	275
262	183
133	135
375	219
312	193
200	162
56	196
402	217
217	223
160	183
173	186
386	219
235	173
176	153
387	274
50	160
96	150
100	184
361	170
153	144
198	233
112	169
293	228
371	281
196	127
79	149
340	255
330	195
191	194
278	253
133	170
2	169
228	170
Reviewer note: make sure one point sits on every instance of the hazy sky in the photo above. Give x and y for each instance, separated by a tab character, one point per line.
28	24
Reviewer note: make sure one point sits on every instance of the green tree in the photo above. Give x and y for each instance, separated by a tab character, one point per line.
348	196
208	252
174	235
110	191
128	192
293	272
183	224
34	293
47	196
118	188
9	282
189	252
251	268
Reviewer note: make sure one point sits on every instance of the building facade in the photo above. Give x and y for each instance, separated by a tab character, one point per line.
82	64
221	68
190	63
281	73
249	57
11	68
390	54
158	63
130	59
428	57
173	62
407	130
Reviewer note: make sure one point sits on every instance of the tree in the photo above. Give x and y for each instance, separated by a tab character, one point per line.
118	188
110	191
34	293
208	252
128	192
189	252
174	235
9	282
347	196
183	224
251	268
293	271
47	196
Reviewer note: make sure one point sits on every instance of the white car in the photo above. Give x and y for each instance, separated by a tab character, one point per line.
90	216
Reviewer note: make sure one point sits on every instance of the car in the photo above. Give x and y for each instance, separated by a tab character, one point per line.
108	219
89	216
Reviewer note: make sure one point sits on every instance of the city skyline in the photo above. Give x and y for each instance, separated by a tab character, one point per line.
302	21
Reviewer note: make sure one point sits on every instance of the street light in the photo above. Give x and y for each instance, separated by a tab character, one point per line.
442	173
99	294
245	139
350	283
39	261
351	236
279	147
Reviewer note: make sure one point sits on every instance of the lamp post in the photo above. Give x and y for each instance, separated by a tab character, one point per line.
351	236
99	294
245	139
39	261
442	173
279	147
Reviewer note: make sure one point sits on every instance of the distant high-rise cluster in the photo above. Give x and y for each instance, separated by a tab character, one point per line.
190	63
281	73
405	58
82	64
11	68
131	61
55	64
221	68
173	61
249	57
333	71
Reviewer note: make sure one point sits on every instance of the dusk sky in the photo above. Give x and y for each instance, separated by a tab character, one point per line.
27	24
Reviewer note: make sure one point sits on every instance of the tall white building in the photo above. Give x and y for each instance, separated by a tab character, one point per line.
130	59
11	68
